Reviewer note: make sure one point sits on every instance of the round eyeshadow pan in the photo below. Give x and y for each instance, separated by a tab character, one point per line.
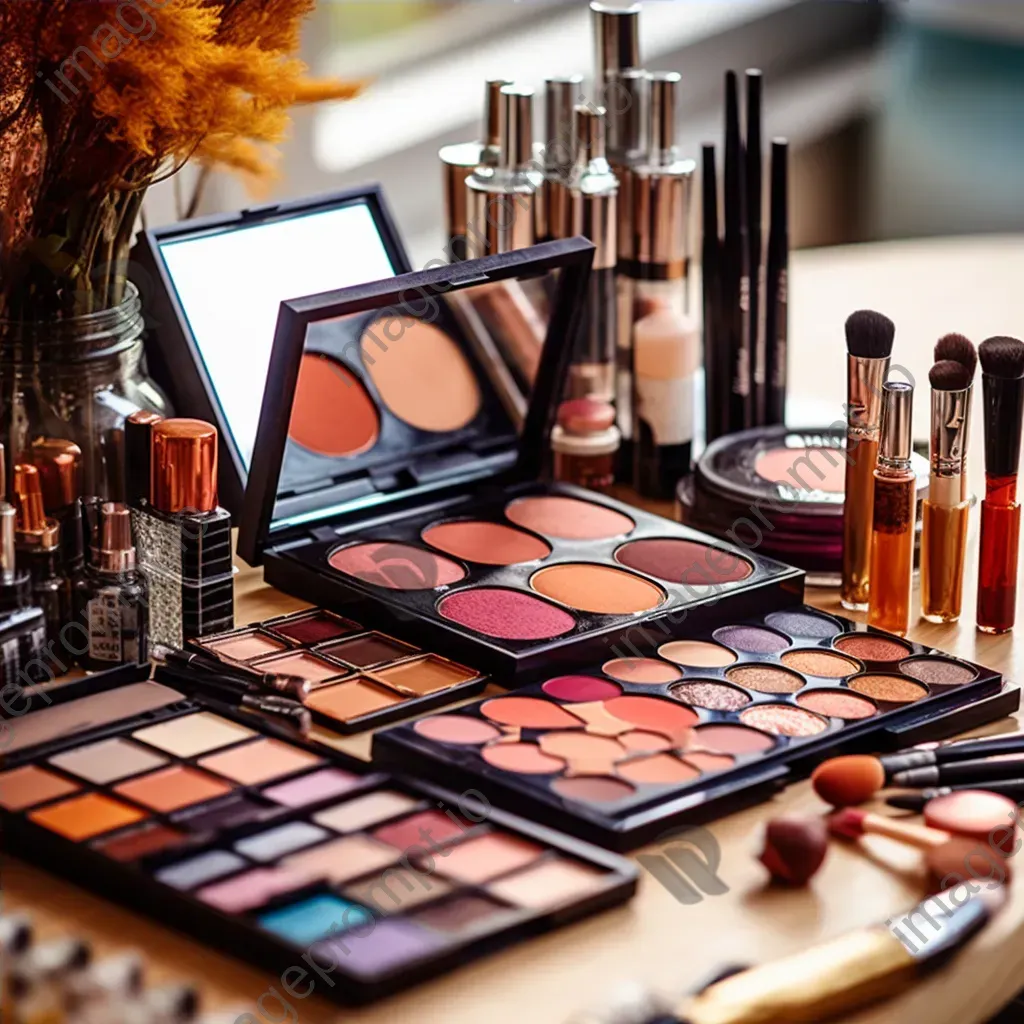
805	624
710	694
486	543
871	647
580	689
752	639
529	713
765	678
730	739
592	789
837	704
599	589
890	689
323	386
697	654
396	566
460	730
938	671
658	769
506	614
784	720
522	758
686	562
817	662
642	671
567	518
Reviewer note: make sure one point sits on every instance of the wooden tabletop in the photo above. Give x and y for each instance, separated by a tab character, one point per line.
928	288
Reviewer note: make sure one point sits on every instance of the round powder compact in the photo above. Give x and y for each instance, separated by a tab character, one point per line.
817	662
396	566
641	671
938	671
800	622
568	518
752	639
684	561
506	614
486	543
837	704
872	647
697	654
889	689
707	693
783	720
765	678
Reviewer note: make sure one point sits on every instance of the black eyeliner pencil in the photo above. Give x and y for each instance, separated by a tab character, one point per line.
736	265
717	379
776	318
754	159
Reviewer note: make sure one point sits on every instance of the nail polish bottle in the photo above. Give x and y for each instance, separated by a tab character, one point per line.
183	537
37	540
115	604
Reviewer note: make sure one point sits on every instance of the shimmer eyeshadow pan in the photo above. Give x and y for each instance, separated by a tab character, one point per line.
752	639
817	662
706	693
938	671
890	688
803	623
872	647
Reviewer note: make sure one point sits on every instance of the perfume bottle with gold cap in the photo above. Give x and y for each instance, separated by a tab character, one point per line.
183	537
37	541
114	605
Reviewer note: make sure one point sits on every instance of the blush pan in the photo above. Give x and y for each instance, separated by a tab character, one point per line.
697	654
684	561
396	566
593	789
643	671
323	388
597	588
529	713
568	518
730	739
522	758
486	543
460	730
580	688
506	614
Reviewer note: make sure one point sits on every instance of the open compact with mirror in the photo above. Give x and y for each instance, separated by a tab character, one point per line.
421	511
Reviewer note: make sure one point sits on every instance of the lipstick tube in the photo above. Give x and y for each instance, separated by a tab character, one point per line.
946	511
864	413
504	204
665	339
1002	409
183	537
592	195
892	541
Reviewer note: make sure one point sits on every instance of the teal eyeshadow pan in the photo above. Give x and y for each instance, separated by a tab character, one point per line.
314	919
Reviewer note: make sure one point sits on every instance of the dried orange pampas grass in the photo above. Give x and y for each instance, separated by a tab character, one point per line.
99	99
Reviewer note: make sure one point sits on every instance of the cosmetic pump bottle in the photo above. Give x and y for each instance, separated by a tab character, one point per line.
666	340
115	605
504	204
183	537
37	541
892	541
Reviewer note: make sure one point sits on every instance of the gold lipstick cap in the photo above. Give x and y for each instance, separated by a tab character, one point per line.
184	466
59	463
34	529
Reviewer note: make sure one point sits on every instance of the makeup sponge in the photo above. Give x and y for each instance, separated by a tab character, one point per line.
849	780
794	848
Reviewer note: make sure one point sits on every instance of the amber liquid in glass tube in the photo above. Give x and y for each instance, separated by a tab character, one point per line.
892	551
997	568
857	516
943	544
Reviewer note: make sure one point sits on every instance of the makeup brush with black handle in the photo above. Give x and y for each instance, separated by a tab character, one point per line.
1013	788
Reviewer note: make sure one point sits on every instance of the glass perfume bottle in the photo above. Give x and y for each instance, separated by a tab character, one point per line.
116	601
892	535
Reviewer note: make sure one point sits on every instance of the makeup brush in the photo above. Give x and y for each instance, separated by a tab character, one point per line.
854	778
959	349
1006	766
916	802
776	291
736	266
947	508
753	165
827	980
869	338
1002	364
248	680
717	373
851	823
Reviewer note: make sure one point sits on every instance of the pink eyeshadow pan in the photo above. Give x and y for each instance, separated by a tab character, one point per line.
245	646
303	664
310	789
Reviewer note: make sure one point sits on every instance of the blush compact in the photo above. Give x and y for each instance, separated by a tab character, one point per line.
397	478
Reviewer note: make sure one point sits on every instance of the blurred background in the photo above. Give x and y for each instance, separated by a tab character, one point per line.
904	117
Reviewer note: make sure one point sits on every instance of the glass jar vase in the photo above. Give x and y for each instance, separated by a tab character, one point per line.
77	378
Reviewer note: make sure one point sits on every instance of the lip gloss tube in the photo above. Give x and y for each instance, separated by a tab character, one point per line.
892	540
1002	364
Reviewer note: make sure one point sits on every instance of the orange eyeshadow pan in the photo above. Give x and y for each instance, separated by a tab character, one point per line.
171	788
83	817
28	786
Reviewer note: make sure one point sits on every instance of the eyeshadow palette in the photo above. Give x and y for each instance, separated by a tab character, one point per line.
681	731
275	850
360	678
443	532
